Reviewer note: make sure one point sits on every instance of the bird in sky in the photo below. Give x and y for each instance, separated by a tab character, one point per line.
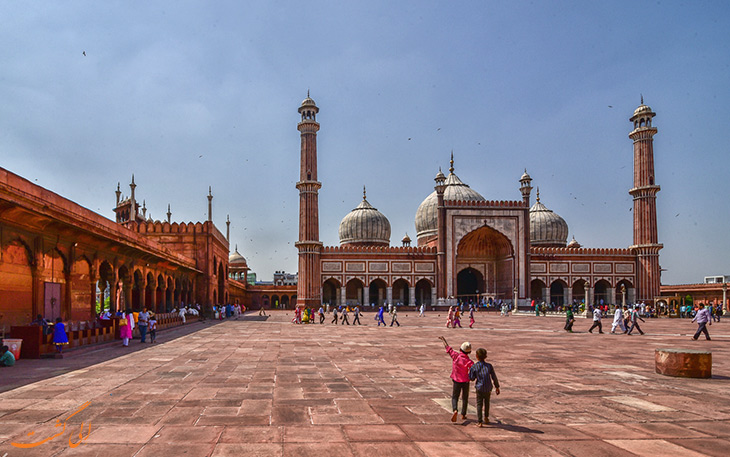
84	53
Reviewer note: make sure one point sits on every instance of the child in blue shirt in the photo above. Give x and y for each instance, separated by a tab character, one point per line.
483	373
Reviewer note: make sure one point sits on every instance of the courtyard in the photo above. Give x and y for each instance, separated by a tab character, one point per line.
263	386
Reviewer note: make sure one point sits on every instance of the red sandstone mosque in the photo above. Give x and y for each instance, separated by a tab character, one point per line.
469	247
60	259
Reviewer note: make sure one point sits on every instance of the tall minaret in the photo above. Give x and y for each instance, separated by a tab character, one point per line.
646	244
309	284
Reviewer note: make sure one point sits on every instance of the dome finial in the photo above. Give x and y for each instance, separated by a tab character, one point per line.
307	93
236	247
364	193
538	195
642	98
451	168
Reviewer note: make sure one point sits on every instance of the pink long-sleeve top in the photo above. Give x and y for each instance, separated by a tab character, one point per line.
461	365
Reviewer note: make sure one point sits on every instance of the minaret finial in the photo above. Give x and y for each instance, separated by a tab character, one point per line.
169	214
451	168
132	178
236	247
642	98
538	195
307	93
364	193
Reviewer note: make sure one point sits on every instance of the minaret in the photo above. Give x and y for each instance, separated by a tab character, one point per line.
118	193
133	207
309	285
646	244
228	229
526	188
169	214
441	279
210	204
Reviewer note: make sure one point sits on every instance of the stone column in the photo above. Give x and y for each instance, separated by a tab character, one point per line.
612	296
724	298
514	299
142	293
587	295
365	296
546	295
569	296
433	296
389	295
412	296
623	296
343	296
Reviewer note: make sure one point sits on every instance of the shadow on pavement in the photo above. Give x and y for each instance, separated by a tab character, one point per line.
28	371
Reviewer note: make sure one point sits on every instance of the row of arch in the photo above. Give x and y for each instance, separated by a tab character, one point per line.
57	281
377	292
560	293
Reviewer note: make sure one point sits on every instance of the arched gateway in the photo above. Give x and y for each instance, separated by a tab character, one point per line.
485	262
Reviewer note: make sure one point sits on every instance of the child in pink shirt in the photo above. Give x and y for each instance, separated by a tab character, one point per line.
460	377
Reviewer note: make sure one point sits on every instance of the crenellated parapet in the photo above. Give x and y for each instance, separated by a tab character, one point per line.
378	249
486	204
580	251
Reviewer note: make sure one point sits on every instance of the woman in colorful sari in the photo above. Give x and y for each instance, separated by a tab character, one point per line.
126	325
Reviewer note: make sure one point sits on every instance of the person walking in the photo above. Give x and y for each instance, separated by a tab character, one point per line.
460	377
143	319
334	315
569	319
457	318
635	318
618	320
703	320
471	318
450	318
356	312
596	321
394	316
321	314
126	325
379	317
483	373
153	328
344	316
421	310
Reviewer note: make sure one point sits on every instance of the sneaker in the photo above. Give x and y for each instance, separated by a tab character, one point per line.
453	416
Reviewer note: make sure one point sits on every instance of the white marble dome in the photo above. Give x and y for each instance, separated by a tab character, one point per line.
426	216
365	226
546	227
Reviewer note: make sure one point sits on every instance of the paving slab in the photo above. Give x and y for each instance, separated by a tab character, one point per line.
271	388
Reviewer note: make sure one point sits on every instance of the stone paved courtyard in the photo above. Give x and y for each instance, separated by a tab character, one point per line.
267	387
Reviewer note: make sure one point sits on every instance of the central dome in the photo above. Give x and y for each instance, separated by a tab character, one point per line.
426	216
365	226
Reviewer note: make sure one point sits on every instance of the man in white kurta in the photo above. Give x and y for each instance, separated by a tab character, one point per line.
618	320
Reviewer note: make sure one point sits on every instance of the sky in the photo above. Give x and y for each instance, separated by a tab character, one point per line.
191	94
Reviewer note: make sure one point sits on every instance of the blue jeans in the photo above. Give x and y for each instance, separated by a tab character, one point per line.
142	332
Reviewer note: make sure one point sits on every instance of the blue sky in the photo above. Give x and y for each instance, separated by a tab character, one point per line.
188	94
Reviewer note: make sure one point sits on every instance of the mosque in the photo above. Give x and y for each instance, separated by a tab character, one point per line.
472	248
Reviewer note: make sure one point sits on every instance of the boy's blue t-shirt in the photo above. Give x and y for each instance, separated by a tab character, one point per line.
7	359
